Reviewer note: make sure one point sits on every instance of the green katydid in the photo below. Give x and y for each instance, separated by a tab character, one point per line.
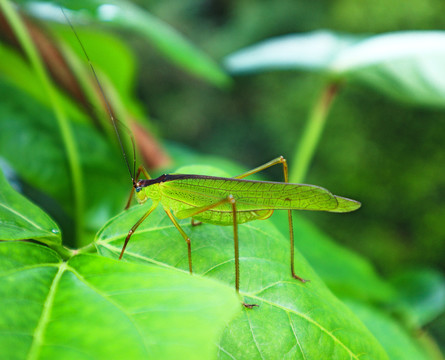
231	201
224	201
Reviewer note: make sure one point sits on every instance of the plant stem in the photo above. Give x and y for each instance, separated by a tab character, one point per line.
312	133
67	136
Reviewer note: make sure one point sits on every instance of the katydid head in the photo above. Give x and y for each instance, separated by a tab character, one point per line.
148	189
141	195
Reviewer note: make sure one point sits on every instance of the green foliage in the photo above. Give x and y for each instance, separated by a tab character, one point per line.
68	303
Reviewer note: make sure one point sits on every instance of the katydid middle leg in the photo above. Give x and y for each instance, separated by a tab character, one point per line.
229	199
184	235
195	223
187	239
279	160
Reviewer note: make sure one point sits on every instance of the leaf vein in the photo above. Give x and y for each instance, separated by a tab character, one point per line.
296	336
24	218
308	319
225	351
253	334
24	268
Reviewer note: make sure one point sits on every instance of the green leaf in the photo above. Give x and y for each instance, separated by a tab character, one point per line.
347	274
422	291
128	16
293	320
397	342
92	307
21	219
406	66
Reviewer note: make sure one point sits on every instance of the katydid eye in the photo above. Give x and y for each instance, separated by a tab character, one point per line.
138	189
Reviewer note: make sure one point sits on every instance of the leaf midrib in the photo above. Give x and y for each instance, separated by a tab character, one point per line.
44	318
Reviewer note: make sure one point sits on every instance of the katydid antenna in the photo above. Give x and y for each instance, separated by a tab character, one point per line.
108	108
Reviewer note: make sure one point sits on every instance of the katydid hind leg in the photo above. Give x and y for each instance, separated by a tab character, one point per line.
292	251
277	161
232	201
291	229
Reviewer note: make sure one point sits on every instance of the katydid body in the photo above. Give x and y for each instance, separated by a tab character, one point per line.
186	194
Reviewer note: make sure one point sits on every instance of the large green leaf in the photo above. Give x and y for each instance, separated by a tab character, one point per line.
397	341
312	51
293	320
21	219
407	66
131	17
92	307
